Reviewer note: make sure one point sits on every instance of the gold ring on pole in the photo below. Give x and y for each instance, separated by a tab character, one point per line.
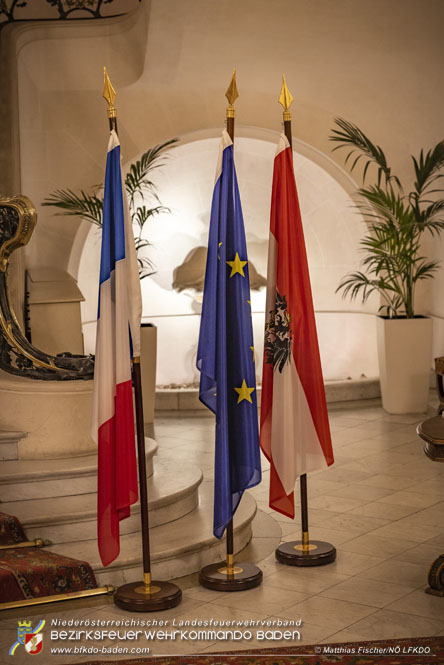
230	570
305	548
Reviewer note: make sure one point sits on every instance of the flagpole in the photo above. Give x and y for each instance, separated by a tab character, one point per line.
231	96
303	552
146	596
217	576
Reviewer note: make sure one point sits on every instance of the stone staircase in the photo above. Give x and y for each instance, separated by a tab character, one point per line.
55	499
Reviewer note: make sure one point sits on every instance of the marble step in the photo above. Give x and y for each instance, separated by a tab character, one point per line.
55	414
177	548
9	444
172	492
47	478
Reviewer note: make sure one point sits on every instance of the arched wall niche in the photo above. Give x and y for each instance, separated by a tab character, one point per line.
332	230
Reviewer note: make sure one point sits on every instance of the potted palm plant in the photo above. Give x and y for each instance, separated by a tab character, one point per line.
394	264
140	190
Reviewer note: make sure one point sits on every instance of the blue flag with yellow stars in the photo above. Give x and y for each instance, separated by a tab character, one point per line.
225	356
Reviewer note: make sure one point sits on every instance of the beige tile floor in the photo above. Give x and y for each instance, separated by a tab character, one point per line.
381	505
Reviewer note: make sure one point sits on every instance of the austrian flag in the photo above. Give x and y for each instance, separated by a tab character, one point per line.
117	338
295	434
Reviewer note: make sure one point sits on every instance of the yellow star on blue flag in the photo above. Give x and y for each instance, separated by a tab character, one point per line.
237	266
244	392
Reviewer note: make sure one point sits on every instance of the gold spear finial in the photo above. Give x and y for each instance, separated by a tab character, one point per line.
109	94
232	94
285	99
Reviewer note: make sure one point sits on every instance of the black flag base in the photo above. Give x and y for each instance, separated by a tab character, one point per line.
153	597
313	553
237	577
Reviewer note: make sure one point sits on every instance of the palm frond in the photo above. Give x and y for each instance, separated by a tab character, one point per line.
349	134
145	267
140	243
142	214
391	308
427	216
425	270
358	283
387	204
85	205
136	181
427	167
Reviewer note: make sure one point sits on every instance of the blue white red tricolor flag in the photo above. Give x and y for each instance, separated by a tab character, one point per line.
225	356
117	339
295	433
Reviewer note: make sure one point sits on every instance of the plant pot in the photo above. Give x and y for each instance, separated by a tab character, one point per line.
404	351
148	358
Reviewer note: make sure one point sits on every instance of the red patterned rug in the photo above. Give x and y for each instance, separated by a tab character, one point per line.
32	572
414	651
11	531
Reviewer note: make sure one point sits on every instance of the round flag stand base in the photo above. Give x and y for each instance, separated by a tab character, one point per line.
217	577
134	598
316	553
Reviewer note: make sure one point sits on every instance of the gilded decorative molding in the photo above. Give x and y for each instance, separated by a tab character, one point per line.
17	221
14	11
18	218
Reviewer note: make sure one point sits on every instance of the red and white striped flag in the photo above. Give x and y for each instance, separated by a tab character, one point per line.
295	434
117	338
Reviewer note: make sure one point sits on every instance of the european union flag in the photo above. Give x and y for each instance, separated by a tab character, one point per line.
225	355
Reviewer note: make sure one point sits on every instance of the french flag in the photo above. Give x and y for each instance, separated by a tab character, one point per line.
117	340
295	433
